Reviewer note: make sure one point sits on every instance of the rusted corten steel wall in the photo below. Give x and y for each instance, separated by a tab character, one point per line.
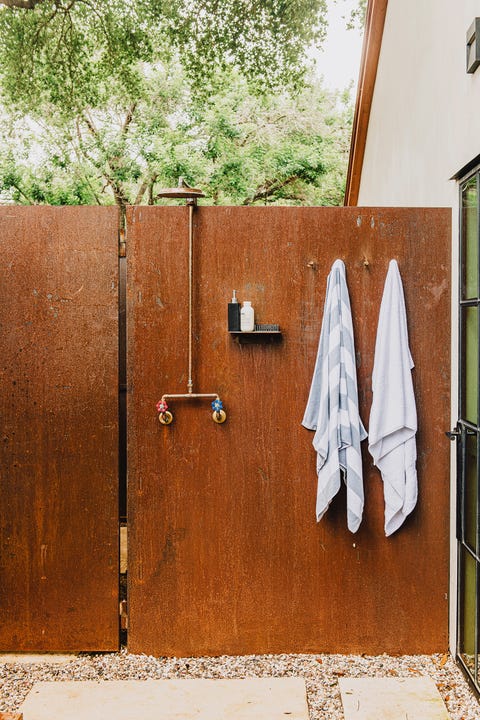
59	447
225	553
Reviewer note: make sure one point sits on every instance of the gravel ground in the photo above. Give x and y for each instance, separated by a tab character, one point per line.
321	673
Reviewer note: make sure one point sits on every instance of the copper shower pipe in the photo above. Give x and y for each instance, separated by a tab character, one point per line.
191	195
191	206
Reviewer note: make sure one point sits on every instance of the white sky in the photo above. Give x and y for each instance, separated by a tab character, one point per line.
339	60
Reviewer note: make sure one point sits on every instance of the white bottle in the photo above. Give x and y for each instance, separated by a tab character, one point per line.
247	317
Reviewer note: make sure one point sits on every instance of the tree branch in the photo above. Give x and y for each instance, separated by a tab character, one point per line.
151	199
129	118
101	20
141	192
273	122
21	192
23	4
118	191
147	184
270	187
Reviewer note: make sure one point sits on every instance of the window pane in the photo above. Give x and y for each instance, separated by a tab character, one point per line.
467	609
470	239
469	408
470	493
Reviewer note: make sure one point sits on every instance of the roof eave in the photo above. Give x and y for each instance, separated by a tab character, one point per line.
372	43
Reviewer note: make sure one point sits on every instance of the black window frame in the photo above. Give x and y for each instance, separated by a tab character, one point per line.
468	552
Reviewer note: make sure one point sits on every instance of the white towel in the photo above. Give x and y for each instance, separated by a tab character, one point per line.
332	408
393	417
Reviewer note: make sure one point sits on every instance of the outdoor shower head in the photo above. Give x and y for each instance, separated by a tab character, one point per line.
182	191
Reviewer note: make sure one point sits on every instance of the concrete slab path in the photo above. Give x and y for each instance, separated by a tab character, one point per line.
245	699
391	699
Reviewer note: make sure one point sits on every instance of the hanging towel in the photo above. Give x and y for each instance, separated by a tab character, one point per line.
332	407
393	417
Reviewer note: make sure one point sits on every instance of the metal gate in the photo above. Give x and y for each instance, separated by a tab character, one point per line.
225	555
59	429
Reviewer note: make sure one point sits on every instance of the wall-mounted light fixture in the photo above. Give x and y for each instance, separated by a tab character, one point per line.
473	46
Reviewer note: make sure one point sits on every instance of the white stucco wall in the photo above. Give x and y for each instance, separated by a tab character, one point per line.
425	118
424	127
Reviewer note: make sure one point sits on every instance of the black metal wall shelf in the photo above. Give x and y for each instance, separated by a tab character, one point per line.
256	336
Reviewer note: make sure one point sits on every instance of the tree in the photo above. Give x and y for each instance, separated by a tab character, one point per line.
282	149
70	53
125	97
240	147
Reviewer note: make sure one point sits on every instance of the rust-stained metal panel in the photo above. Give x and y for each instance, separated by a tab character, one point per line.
59	447
225	553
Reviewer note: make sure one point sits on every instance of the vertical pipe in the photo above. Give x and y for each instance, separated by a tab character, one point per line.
191	206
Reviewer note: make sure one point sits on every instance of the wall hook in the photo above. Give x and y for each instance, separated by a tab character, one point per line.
366	264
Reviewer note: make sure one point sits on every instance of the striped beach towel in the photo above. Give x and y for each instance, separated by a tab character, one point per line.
332	407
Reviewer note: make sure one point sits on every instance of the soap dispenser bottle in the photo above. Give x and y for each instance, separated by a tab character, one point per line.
234	314
247	317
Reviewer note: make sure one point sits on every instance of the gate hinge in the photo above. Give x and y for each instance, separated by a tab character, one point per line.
122	243
453	434
123	615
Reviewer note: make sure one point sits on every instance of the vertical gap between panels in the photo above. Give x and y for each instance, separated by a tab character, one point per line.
122	437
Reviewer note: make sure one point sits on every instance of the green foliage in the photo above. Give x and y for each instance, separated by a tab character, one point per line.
110	101
357	15
265	39
76	54
281	149
239	147
21	185
66	54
